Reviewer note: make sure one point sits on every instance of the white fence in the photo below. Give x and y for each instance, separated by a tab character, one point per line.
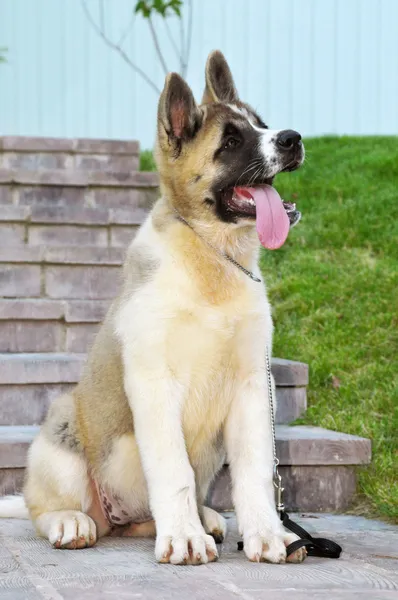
319	66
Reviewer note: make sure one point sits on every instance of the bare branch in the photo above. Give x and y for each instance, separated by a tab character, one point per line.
157	47
126	32
182	46
118	49
189	34
171	40
102	15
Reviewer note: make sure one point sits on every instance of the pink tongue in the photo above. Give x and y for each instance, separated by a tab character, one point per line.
272	221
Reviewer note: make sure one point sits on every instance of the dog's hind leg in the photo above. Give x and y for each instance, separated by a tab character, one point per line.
58	495
214	523
67	529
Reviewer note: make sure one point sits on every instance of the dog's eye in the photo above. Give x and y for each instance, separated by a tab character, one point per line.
231	143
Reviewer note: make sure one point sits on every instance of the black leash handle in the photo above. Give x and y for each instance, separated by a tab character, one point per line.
320	547
315	546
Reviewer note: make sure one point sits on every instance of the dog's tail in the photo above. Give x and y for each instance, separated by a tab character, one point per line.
13	507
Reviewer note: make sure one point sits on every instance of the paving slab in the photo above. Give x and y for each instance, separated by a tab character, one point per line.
125	568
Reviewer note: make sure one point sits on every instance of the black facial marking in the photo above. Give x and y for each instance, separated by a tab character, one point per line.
231	129
209	201
232	138
197	178
241	164
241	161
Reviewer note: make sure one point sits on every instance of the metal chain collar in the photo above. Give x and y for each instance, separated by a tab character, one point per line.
220	252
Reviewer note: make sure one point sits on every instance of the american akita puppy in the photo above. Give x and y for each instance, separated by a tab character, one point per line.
176	376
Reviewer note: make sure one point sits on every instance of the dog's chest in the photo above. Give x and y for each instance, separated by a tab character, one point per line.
206	359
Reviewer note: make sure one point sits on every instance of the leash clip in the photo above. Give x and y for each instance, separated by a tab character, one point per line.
280	507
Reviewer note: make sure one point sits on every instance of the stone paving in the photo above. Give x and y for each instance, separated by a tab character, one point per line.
125	568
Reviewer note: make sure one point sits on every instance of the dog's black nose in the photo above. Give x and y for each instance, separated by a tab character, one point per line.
288	139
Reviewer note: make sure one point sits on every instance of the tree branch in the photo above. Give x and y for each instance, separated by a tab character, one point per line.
171	40
102	16
118	49
189	34
126	32
182	46
157	47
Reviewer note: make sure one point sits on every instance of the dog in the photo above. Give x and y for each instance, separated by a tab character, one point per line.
175	381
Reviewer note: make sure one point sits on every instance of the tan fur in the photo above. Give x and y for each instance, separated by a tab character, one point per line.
185	319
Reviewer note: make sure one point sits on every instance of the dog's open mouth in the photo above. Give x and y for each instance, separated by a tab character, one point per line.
263	203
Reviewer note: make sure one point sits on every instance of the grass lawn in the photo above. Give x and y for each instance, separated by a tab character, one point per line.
334	291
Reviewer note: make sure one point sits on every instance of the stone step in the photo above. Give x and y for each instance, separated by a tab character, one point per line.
76	273
43	309
46	336
31	226
30	381
19	143
51	367
317	466
15	257
40	325
62	255
17	152
57	188
71	178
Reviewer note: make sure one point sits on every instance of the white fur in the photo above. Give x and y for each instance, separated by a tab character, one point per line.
268	147
66	470
212	521
122	472
192	337
13	507
193	370
63	527
267	141
181	390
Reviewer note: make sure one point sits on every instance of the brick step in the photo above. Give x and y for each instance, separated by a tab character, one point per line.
77	189
62	255
31	226
46	336
32	153
40	325
29	383
63	272
317	466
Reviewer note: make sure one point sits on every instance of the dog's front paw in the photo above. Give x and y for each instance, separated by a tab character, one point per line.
271	547
300	554
265	548
193	549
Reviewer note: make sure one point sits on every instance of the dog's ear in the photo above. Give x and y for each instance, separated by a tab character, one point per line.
220	85
178	114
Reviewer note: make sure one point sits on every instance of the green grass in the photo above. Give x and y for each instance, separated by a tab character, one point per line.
147	162
334	289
